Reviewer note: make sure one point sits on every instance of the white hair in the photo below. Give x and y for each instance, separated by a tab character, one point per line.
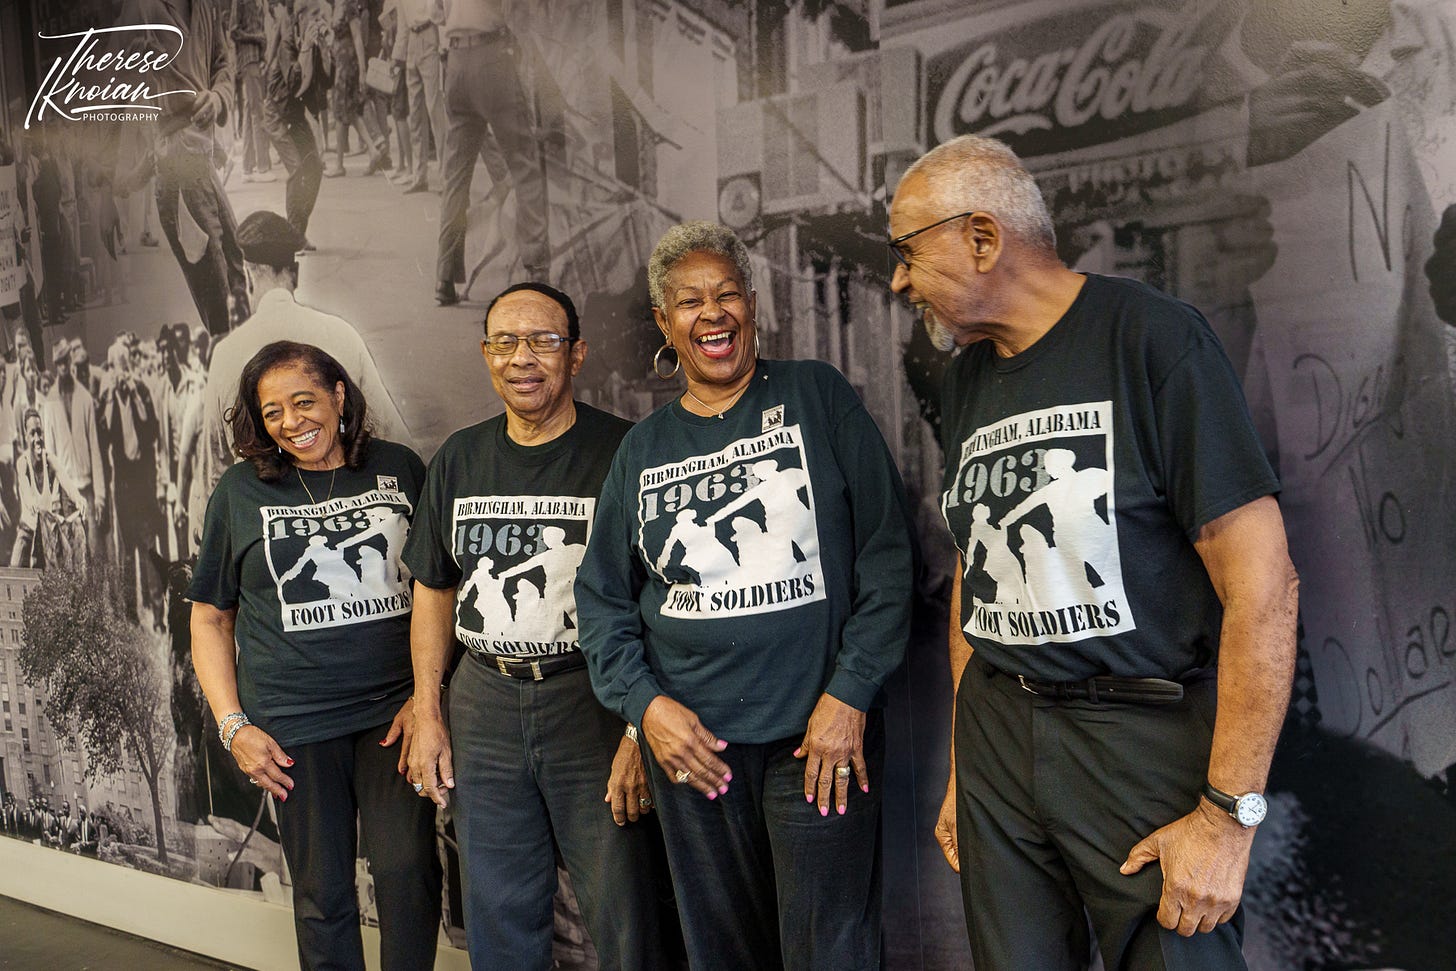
695	236
972	172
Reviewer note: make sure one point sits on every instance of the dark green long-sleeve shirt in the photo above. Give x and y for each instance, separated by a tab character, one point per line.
743	566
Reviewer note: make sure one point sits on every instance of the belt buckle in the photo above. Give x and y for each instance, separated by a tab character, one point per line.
500	663
536	674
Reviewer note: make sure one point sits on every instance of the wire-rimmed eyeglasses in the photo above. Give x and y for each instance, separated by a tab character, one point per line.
542	343
896	243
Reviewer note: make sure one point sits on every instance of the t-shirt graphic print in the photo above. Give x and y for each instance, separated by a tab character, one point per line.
733	533
337	563
1032	512
518	557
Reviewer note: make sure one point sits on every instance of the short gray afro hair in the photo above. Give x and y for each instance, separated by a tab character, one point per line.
974	172
698	235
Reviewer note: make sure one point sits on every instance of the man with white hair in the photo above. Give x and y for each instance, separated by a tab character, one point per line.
1085	744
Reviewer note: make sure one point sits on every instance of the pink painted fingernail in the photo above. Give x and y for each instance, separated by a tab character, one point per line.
808	798
841	809
824	810
712	795
727	776
865	787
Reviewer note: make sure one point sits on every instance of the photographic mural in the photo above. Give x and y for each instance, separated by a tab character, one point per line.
1287	166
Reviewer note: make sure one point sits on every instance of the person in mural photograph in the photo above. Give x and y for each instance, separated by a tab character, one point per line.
1160	586
529	752
192	206
318	689
759	697
490	116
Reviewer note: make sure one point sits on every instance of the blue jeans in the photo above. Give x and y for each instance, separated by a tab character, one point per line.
763	881
532	760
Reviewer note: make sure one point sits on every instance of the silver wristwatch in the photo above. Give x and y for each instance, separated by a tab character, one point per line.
1247	810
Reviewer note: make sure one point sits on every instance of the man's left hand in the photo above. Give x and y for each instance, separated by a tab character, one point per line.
627	787
833	741
1204	857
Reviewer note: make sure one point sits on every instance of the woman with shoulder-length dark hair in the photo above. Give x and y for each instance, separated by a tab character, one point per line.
744	597
299	566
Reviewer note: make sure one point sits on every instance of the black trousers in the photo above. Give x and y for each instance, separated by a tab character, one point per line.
298	151
335	782
765	883
1050	797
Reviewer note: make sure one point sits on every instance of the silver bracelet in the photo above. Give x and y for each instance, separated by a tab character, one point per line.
631	731
227	720
227	742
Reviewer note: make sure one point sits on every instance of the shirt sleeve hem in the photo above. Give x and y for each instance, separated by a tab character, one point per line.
639	696
1229	503
852	689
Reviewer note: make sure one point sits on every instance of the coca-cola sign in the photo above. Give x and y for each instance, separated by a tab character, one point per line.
1078	78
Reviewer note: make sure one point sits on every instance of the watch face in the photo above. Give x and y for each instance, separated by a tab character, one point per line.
1250	809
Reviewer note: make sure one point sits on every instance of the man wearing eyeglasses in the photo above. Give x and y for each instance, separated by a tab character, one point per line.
535	763
1101	461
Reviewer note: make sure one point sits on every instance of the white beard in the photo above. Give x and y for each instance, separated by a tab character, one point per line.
940	338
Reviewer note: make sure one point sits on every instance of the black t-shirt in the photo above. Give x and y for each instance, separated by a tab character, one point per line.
507	524
322	599
1077	475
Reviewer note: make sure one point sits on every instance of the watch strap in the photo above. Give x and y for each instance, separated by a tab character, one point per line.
1228	803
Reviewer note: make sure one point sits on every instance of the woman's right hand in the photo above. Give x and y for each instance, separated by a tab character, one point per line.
685	749
260	757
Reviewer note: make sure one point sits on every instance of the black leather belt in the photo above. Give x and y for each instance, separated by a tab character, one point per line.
474	38
534	669
1133	691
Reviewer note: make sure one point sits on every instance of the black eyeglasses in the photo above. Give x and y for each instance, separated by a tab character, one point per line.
542	343
895	243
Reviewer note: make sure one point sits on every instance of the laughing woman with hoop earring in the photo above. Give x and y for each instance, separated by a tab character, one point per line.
744	597
318	686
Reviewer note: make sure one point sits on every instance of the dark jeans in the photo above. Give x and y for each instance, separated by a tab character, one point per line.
298	151
532	760
1051	796
334	781
484	98
187	179
763	881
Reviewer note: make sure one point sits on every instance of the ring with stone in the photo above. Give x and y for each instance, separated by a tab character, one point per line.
682	775
419	786
644	803
252	780
842	771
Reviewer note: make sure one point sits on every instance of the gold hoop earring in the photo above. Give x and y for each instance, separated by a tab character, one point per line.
657	362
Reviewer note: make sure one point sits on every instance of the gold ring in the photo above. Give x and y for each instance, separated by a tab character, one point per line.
682	775
842	771
644	803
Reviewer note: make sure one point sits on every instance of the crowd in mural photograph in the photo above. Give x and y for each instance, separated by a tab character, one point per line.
1066	583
